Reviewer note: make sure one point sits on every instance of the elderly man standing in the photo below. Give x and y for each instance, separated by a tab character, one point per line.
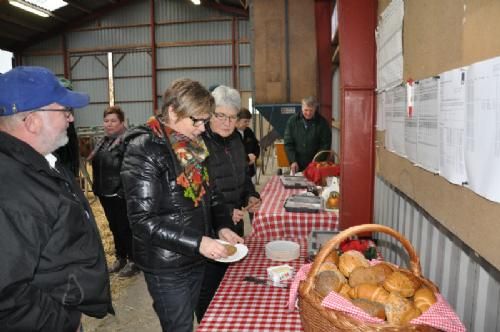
306	133
53	267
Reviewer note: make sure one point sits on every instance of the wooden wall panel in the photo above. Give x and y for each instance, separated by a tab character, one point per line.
428	51
438	36
303	51
269	50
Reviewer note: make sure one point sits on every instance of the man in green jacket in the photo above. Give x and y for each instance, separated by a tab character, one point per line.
306	133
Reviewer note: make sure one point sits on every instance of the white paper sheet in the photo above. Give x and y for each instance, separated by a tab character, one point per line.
389	38
427	111
395	106
482	153
452	125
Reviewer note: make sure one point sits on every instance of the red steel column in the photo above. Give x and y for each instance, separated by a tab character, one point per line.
357	23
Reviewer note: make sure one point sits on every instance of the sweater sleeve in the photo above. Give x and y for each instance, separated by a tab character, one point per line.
326	136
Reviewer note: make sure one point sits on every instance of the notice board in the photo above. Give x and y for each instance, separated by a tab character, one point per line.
439	36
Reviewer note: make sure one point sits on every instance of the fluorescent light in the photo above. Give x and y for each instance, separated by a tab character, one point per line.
28	8
49	5
196	2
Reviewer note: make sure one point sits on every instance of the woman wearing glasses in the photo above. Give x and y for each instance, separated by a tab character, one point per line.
174	210
228	168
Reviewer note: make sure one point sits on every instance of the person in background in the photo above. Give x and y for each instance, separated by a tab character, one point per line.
250	142
228	169
175	210
53	266
69	154
106	159
306	134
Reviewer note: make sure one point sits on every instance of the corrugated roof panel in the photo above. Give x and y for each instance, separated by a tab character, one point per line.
245	79
48	44
244	29
244	51
133	89
207	77
123	37
194	56
132	13
137	63
89	66
97	89
52	62
175	10
196	31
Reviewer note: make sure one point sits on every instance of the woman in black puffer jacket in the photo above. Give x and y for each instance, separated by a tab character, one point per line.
228	168
174	213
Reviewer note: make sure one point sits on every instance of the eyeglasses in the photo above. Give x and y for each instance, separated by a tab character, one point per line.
198	122
224	117
68	111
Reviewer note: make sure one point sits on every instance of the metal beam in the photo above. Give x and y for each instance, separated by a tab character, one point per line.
225	8
79	7
12	20
74	23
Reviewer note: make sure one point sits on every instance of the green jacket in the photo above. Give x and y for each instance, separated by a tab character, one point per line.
301	143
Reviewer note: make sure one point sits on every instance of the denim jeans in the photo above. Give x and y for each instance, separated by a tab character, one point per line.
175	296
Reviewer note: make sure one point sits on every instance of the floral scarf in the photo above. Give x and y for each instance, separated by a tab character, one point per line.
190	154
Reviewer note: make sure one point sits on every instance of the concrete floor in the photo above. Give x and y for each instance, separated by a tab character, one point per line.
133	305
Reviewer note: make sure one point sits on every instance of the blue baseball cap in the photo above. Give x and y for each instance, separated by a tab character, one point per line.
25	88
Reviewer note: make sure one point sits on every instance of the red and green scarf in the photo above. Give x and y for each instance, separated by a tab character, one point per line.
190	153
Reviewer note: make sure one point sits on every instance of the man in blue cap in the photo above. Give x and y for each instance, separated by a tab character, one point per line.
53	267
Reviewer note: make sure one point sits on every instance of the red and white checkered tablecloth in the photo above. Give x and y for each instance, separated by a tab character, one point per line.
243	306
272	221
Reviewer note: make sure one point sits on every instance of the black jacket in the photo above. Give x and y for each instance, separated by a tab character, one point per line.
303	139
228	168
52	261
251	144
106	166
166	226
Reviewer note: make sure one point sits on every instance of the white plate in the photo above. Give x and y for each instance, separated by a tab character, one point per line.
282	251
241	251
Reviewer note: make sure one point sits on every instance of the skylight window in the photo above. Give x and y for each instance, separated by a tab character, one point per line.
49	5
42	8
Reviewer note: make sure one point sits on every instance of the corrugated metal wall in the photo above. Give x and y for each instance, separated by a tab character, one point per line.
191	41
469	284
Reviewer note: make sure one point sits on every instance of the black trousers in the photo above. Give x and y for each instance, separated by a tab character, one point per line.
214	272
115	209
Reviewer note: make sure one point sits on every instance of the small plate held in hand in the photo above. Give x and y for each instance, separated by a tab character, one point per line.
241	252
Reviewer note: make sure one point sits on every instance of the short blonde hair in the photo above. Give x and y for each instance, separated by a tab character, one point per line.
187	98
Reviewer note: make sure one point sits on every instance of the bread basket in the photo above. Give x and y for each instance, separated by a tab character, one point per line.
316	318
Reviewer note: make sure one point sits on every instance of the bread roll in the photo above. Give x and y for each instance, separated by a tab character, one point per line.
383	270
333	257
231	250
369	292
399	310
350	260
424	297
373	309
326	282
328	266
344	291
402	282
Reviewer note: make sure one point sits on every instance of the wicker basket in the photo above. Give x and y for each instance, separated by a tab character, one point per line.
316	318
